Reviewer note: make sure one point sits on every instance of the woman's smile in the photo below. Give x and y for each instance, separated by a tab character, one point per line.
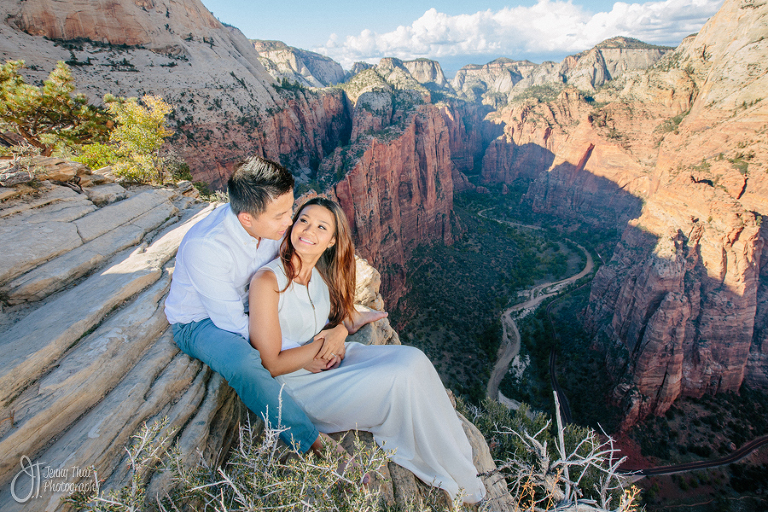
314	230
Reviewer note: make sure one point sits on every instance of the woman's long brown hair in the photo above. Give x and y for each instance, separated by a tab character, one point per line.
336	265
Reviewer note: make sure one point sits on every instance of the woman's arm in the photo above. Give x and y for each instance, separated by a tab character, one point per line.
264	329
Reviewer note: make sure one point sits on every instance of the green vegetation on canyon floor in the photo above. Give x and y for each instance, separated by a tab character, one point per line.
469	284
457	293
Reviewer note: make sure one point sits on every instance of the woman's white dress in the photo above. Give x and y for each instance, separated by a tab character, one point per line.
392	391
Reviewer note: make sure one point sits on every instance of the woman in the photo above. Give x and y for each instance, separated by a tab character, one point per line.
391	391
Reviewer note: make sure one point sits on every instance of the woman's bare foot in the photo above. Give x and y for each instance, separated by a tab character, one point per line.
360	318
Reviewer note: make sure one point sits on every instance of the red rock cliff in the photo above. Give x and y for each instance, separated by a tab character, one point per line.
400	194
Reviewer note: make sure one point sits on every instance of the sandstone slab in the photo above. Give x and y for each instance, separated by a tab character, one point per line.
57	273
26	246
82	377
112	216
34	343
101	195
99	438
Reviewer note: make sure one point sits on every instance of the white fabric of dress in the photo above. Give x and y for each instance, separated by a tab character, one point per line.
392	391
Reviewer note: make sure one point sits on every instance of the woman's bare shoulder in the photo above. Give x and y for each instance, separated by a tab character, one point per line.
264	280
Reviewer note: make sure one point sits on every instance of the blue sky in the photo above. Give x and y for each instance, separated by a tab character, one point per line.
461	32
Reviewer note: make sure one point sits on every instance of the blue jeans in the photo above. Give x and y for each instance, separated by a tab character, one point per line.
231	356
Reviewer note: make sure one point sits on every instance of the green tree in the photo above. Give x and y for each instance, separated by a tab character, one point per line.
134	144
49	115
138	137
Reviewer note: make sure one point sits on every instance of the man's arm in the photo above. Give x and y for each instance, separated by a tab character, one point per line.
210	272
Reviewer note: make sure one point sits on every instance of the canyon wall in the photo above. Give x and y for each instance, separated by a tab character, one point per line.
675	156
400	194
687	310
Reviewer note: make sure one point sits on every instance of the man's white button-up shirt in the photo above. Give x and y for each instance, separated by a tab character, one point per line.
214	266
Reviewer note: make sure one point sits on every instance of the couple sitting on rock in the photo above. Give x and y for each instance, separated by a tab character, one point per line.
266	299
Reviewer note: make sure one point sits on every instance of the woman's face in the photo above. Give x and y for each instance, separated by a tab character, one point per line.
314	230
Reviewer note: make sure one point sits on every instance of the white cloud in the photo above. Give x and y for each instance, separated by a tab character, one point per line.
548	27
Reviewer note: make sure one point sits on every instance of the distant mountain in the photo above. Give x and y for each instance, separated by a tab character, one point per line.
491	83
299	66
504	79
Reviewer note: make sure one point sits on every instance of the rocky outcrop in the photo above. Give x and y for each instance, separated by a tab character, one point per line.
89	357
590	69
427	72
396	73
502	80
492	82
608	60
156	25
358	67
298	66
681	304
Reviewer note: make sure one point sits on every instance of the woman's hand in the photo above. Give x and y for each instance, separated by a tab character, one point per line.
333	344
316	366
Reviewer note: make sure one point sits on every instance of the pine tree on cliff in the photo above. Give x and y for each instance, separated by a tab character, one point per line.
49	115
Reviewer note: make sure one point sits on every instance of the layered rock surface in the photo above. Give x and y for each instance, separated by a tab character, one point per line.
89	356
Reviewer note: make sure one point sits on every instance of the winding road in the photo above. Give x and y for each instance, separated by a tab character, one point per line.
510	341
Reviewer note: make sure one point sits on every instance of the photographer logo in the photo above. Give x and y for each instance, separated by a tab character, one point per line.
34	480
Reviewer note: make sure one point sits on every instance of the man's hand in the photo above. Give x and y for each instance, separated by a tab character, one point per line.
333	343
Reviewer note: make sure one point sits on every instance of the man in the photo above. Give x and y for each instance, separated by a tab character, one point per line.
207	304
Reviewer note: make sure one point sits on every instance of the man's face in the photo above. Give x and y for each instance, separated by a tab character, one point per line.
273	221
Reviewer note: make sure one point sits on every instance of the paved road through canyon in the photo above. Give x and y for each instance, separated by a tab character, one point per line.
510	341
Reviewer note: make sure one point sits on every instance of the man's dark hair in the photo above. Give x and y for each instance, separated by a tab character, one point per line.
255	183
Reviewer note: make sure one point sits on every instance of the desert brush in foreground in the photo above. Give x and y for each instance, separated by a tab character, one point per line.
544	473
